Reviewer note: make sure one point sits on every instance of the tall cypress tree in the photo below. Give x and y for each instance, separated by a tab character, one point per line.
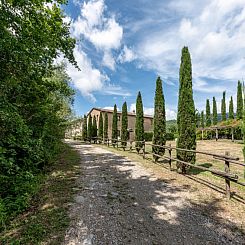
215	114
84	131
202	119
239	111
231	109
208	116
105	131
94	128
159	129
100	127
114	125
186	112
198	119
124	126
90	128
223	108
139	123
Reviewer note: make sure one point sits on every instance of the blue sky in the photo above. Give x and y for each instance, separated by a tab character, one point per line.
122	46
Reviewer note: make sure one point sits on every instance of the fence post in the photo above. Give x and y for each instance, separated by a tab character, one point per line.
117	144
108	142
170	153
227	181
144	149
130	148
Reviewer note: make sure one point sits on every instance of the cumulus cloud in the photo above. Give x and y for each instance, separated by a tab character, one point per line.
103	32
88	79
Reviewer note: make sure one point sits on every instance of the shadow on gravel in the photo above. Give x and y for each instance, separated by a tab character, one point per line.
133	208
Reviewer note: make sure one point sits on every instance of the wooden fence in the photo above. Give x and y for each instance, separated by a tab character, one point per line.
140	147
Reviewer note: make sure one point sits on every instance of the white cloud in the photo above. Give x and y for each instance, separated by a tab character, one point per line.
103	32
213	30
126	55
88	79
170	114
108	60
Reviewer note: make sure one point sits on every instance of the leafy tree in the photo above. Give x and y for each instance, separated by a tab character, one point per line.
215	115
159	128
105	126
114	126
231	109
94	128
90	128
202	119
139	123
84	130
100	127
124	127
208	116
223	108
186	112
239	111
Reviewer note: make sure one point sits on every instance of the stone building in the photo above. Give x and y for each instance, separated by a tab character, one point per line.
148	121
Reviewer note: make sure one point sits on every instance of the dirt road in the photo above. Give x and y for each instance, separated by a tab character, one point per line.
121	202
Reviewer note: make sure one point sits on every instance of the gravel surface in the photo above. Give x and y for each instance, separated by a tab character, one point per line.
121	202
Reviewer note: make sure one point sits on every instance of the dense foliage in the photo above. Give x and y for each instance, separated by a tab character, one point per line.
94	128
159	128
231	109
223	108
186	112
124	127
208	115
114	125
35	96
139	123
100	133
215	114
105	130
239	111
84	130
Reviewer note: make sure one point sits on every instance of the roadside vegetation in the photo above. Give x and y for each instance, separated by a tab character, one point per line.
35	99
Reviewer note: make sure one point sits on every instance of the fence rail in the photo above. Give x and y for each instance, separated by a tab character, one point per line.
140	147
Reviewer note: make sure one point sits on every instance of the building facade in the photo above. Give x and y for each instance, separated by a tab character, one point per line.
148	121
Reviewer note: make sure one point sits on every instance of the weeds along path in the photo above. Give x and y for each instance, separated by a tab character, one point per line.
121	202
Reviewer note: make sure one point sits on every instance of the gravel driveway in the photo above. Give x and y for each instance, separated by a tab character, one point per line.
121	202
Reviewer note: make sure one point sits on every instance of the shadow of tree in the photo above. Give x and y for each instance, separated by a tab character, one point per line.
127	205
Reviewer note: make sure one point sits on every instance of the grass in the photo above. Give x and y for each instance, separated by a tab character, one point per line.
47	218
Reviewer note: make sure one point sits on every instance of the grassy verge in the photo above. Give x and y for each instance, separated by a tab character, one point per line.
47	218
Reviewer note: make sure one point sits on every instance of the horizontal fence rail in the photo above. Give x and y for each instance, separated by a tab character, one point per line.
140	147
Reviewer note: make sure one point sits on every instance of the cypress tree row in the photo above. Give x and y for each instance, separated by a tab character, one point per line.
94	128
186	112
215	114
100	127
239	112
124	127
208	116
114	126
159	128
105	131
84	131
90	128
202	119
223	108
231	110
139	123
